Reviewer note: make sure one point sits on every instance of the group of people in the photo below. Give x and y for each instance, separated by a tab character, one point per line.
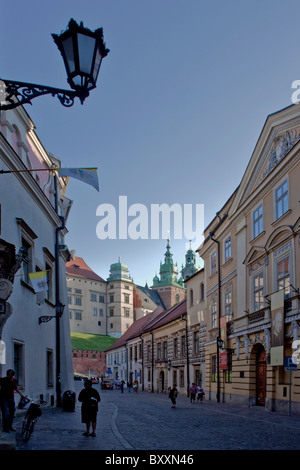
194	390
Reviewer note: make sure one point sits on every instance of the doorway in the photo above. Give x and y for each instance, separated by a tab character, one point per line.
161	381
261	376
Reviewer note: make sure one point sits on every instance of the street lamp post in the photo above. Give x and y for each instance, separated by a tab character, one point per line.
82	51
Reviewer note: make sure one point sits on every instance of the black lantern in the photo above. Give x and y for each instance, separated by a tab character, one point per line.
82	51
60	309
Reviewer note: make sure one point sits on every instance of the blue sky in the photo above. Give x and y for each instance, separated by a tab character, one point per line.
180	103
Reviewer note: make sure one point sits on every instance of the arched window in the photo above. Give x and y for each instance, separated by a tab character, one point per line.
201	291
191	297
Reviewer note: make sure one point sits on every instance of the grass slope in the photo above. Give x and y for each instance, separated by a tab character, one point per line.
90	342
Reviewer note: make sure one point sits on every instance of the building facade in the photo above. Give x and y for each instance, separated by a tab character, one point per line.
252	273
86	297
33	206
165	347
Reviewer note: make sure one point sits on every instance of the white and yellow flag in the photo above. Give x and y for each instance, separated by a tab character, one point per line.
87	175
39	281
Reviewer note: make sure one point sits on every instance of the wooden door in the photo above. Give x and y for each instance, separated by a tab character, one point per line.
261	378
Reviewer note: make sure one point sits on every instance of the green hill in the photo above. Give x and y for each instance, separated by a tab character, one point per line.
90	342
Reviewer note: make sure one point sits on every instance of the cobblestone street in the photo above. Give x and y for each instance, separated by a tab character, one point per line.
144	421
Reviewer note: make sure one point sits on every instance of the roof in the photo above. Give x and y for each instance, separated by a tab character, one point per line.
136	328
149	322
77	267
167	316
149	297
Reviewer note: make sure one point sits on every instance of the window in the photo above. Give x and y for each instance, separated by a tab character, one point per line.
228	305
78	315
183	345
227	249
95	311
149	352
175	347
93	297
213	263
174	377
50	368
77	300
101	312
281	199
196	342
111	312
181	378
101	299
27	260
228	371
69	300
127	312
258	292
126	298
159	351
191	297
213	313
214	368
283	276
18	363
78	291
165	350
111	298
201	291
257	221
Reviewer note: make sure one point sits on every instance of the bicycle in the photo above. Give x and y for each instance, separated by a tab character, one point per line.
33	413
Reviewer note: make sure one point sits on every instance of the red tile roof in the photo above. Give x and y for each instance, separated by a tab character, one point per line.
77	267
151	321
136	328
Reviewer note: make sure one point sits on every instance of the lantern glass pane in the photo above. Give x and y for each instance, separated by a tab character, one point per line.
98	60
67	45
86	46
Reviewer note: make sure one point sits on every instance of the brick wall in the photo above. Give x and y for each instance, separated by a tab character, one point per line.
89	362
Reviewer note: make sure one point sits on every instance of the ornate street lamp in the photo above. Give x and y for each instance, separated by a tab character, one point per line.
82	51
59	307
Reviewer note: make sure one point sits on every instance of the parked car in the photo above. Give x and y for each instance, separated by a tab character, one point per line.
107	384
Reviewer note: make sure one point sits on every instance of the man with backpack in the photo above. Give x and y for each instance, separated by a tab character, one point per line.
89	397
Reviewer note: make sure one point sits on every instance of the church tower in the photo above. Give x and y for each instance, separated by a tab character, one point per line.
190	264
170	289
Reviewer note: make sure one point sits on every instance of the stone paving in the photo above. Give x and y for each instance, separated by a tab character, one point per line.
146	422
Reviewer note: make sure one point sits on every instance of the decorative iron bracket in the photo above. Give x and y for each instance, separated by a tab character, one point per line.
46	318
25	92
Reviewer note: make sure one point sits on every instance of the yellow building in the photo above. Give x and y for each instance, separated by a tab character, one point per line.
252	275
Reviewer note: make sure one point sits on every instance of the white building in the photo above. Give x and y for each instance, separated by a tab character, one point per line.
31	211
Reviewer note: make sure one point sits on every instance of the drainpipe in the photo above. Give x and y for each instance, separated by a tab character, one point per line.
187	356
219	315
143	385
152	363
57	298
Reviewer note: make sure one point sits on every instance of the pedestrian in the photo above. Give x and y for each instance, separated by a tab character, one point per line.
89	397
122	386
200	393
173	395
193	393
135	386
9	385
129	385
